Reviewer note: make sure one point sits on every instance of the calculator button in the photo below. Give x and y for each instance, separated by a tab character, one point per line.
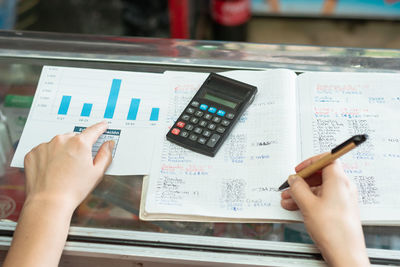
202	140
185	117
193	137
221	113
175	131
207	133
190	110
203	123
203	107
195	104
216	119
220	129
198	130
230	116
199	113
207	116
213	140
184	134
212	110
211	126
180	124
225	123
189	127
194	120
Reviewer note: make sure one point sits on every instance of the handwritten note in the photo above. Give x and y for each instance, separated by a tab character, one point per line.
333	107
242	180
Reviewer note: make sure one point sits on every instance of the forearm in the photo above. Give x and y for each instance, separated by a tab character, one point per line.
40	236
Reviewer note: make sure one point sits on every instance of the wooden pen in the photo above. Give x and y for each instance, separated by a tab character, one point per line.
337	152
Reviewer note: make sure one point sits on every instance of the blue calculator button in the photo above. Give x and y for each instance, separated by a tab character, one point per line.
203	107
221	113
212	110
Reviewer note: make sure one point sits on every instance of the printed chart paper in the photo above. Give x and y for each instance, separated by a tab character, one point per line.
70	99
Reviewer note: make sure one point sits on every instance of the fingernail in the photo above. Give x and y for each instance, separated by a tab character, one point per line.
291	179
111	145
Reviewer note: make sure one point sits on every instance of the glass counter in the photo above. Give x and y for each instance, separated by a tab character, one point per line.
106	225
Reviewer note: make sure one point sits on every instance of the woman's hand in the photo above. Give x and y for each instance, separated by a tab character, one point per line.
331	213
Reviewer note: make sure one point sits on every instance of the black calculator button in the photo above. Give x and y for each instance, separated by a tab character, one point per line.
230	116
189	127
194	120
212	110
193	137
225	123
207	133
199	113
184	134
207	116
175	131
203	107
185	117
221	113
180	124
211	126
220	129
195	104
203	123
190	110
198	130
213	140
216	119
202	140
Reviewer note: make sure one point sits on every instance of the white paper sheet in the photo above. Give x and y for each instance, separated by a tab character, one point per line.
241	181
133	103
336	106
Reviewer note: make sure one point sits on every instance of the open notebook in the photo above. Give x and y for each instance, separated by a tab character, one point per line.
292	118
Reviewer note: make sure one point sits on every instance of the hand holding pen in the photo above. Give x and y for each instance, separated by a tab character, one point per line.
330	210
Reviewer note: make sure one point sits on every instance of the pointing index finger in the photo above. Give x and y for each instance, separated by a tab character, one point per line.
92	133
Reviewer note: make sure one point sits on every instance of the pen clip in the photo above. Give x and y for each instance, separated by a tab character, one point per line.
357	139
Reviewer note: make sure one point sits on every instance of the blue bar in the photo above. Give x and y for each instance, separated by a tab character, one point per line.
86	109
133	109
112	99
63	109
154	114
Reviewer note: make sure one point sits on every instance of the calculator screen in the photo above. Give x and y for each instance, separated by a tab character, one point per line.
219	100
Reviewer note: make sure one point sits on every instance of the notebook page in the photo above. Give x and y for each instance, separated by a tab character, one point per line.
241	181
336	106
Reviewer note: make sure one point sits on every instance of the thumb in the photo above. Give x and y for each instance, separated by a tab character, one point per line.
104	156
301	193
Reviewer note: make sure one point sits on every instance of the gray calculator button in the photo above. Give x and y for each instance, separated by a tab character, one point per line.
212	126
194	120
213	140
198	130
185	117
193	137
189	127
195	104
216	119
207	116
203	123
220	129
230	116
184	134
225	123
199	113
202	140
207	133
190	110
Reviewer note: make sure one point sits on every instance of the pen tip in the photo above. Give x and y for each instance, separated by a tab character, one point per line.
284	186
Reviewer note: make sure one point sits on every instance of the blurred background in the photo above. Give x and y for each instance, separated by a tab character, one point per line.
355	23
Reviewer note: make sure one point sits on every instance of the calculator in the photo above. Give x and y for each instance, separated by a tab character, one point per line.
211	115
